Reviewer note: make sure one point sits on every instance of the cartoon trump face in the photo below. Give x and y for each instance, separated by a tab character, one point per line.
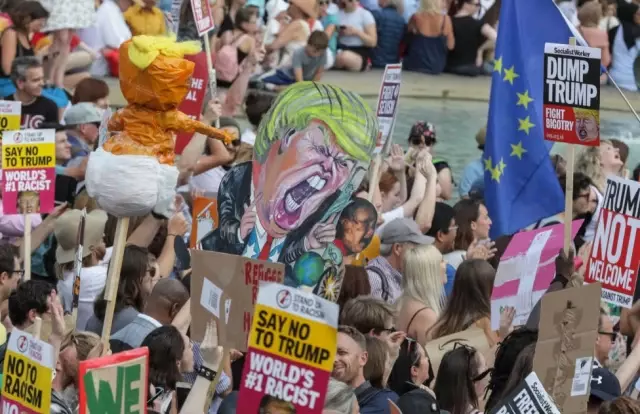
587	124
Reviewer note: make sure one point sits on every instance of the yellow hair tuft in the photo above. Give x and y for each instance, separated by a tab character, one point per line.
145	49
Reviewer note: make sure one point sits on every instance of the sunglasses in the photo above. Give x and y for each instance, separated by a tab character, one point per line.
379	331
611	335
417	141
471	352
152	271
323	3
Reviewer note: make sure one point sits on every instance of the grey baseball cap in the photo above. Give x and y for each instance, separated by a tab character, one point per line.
403	230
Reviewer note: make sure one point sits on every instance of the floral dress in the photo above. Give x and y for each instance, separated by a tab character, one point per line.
69	14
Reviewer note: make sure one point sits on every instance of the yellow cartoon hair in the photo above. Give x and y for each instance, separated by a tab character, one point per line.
145	49
584	113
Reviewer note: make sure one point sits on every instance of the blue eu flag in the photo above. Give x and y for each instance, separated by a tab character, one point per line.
520	184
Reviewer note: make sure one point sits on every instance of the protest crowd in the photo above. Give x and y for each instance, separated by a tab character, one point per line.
243	238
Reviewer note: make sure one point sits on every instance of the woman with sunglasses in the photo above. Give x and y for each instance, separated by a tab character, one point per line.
411	370
423	137
472	38
462	378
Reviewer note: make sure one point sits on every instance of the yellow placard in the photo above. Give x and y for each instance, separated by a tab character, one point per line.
25	156
27	383
10	112
297	339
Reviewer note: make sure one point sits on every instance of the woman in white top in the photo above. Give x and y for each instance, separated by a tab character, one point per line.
626	46
356	38
422	291
93	275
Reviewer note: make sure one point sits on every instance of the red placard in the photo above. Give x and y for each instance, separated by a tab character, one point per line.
202	16
614	257
192	103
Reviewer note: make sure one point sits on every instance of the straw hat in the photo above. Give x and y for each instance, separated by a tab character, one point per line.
308	7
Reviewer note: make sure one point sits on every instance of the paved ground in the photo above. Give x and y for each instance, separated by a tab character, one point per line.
419	86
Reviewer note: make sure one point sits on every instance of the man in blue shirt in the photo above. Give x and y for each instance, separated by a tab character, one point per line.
475	169
391	29
83	120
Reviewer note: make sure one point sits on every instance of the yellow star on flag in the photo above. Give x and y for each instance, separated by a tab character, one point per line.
524	99
487	164
501	165
510	75
495	174
497	65
525	125
517	150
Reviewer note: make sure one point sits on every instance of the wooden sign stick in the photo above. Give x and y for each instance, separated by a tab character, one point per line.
568	193
26	245
113	278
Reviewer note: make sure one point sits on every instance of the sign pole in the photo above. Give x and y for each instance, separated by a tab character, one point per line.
213	86
113	278
568	194
26	245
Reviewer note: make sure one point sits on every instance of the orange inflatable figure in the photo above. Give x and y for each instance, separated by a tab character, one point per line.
139	151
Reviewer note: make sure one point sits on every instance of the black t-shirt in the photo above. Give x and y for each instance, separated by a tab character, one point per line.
467	31
39	111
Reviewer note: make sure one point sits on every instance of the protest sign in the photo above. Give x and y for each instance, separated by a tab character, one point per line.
528	398
192	103
204	219
28	371
202	16
387	106
571	94
292	346
115	383
176	5
226	286
564	352
10	112
614	260
28	171
526	269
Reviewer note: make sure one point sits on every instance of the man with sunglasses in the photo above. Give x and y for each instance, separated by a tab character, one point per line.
83	121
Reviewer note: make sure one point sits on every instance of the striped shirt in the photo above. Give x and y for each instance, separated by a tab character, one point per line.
388	289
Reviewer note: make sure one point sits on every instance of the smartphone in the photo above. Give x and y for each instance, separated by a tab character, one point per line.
65	191
342	27
183	256
182	392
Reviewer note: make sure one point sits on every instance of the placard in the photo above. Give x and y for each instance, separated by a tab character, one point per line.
204	219
292	347
387	106
115	383
528	398
526	270
571	94
27	375
225	287
192	103
10	112
614	259
202	16
28	171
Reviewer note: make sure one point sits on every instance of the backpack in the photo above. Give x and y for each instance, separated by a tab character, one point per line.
227	66
383	280
367	395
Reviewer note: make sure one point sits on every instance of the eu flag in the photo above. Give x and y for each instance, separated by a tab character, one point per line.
520	184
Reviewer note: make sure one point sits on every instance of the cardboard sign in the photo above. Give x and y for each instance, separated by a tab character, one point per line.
473	337
115	383
28	171
225	286
192	103
291	351
10	112
202	16
575	311
103	130
528	398
614	259
204	219
571	94
387	106
526	269
176	5
28	371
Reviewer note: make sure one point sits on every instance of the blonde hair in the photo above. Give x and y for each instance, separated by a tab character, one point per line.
431	6
589	164
590	14
422	279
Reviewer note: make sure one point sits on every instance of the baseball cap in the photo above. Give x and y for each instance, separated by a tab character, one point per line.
83	113
418	401
66	231
604	385
403	230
